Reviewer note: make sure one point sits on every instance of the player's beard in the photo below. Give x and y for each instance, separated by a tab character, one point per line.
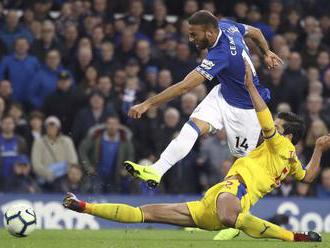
203	44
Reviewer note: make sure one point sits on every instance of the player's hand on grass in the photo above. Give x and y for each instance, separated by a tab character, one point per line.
248	81
323	142
272	60
136	111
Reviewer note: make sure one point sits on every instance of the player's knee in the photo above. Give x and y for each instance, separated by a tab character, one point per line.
228	208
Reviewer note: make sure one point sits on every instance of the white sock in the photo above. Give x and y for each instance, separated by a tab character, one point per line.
178	148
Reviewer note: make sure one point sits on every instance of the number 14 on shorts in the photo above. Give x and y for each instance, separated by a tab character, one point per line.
241	142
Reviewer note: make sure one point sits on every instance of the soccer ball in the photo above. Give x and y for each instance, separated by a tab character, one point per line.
20	220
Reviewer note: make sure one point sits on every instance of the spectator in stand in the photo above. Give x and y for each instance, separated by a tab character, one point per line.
313	74
104	84
73	181
277	87
101	9
151	76
159	17
11	145
323	63
96	113
213	152
22	180
63	102
119	82
108	64
12	30
145	131
35	29
296	81
254	17
164	80
277	42
189	8
44	83
6	91
274	21
66	18
209	5
16	111
182	64
135	15
188	104
19	68
316	130
47	42
52	154
103	154
240	11
125	48
315	88
169	129
143	54
36	120
41	9
314	110
27	18
87	85
310	51
98	38
69	43
323	189
84	60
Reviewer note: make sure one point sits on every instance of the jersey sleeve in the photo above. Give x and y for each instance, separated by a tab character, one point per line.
275	142
298	170
213	64
242	28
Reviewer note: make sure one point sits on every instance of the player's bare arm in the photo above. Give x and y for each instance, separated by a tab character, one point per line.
192	80
270	58
267	124
322	144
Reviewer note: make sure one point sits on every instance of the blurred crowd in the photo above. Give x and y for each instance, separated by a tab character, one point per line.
71	69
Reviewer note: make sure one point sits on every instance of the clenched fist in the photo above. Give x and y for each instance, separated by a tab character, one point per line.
323	142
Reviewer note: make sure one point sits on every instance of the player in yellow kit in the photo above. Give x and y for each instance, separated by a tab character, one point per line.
227	204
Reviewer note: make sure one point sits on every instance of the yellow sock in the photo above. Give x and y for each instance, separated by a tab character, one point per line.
259	228
115	212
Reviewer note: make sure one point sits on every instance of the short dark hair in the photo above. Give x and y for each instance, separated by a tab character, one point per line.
203	17
293	125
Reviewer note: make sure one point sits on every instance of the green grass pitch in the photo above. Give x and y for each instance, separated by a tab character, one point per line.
140	238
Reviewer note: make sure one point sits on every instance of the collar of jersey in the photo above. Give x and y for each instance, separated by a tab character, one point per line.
217	40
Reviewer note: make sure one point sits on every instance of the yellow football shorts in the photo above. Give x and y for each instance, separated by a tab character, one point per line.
204	212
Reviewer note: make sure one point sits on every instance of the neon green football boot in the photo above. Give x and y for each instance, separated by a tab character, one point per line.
227	234
145	173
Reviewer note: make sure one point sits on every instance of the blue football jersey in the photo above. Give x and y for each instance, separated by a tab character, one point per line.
225	62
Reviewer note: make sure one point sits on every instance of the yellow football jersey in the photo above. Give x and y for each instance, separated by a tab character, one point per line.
266	166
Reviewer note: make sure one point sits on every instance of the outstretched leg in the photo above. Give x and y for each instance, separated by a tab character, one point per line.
174	152
230	214
176	213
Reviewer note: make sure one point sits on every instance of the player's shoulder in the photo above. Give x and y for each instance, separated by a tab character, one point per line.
227	24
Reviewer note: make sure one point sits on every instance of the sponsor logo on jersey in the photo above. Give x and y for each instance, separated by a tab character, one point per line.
207	64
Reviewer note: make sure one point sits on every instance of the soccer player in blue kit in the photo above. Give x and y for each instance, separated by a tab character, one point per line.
228	105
